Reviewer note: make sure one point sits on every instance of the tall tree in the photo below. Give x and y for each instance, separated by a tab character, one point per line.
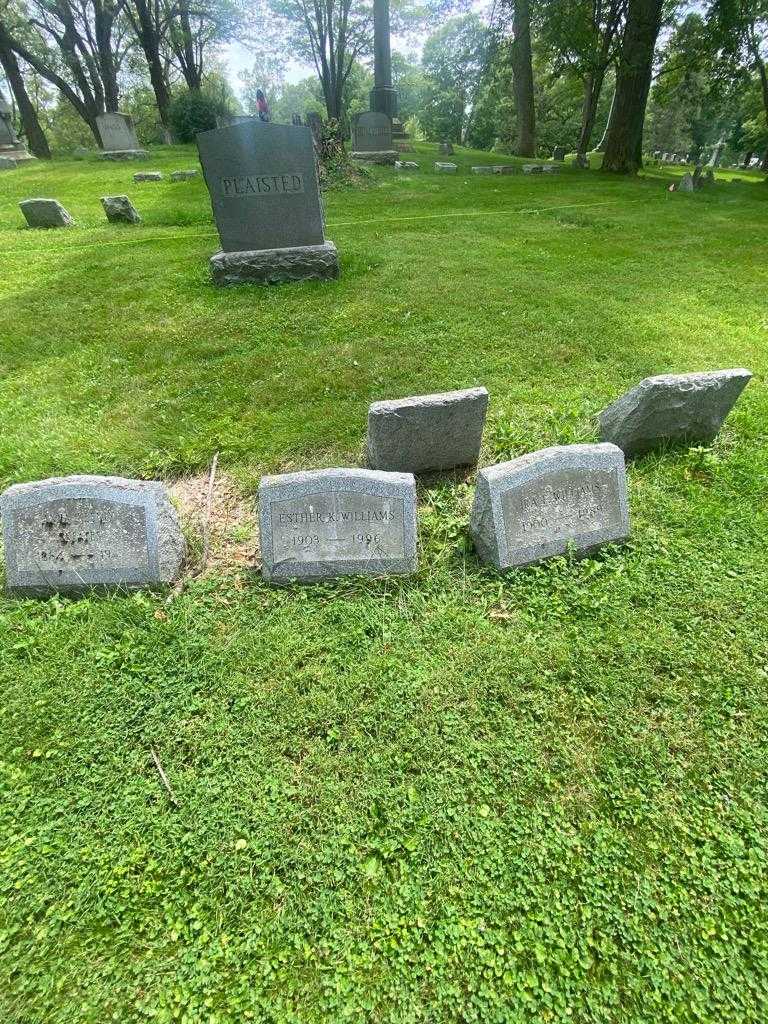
521	58
150	22
453	61
33	132
624	145
583	36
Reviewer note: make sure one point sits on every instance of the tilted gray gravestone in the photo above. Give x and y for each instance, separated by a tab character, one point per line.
118	137
372	137
672	408
262	179
572	497
73	534
45	213
337	522
120	210
427	432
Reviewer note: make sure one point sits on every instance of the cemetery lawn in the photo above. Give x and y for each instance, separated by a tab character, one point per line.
454	797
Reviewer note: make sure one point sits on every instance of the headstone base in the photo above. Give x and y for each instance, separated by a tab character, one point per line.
17	153
276	266
125	154
377	156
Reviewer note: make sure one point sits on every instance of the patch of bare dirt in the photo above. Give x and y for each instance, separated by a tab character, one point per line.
233	536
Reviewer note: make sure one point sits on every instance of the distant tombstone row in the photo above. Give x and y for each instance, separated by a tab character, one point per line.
262	180
74	534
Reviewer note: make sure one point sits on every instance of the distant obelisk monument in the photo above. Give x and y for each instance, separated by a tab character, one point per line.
383	96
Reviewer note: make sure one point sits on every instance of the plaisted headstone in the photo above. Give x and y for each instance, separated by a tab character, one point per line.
73	534
45	213
672	408
225	120
372	136
427	432
120	210
117	133
572	497
262	179
337	522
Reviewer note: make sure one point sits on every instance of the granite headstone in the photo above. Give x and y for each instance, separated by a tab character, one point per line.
372	136
45	213
672	408
337	522
73	534
120	210
262	179
427	432
572	497
117	134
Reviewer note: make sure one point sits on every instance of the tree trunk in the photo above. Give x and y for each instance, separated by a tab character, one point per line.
186	53
103	23
624	145
747	159
764	164
522	78
149	38
35	136
593	85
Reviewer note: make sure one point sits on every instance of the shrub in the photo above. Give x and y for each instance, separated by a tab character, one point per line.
193	112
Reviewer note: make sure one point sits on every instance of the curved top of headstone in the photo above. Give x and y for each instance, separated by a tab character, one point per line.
672	408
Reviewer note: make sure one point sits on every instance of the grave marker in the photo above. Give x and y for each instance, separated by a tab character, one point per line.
337	522
45	213
572	497
120	210
118	137
372	137
73	534
262	179
676	408
427	432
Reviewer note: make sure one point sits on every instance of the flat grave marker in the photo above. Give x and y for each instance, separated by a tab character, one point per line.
337	522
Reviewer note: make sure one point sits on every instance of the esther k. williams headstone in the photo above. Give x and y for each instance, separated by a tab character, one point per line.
73	534
337	522
427	432
572	497
262	179
118	137
672	408
372	137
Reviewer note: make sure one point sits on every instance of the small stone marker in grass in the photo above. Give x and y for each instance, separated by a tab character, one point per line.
572	497
672	408
372	138
443	168
7	164
483	169
118	137
427	432
73	534
337	522
262	179
184	175
120	210
148	176
551	169
45	213
685	184
406	165
533	169
506	169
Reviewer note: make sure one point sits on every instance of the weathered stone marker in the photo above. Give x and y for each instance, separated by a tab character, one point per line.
118	137
120	210
406	165
506	169
483	169
533	168
262	179
673	408
45	213
445	168
337	522
73	534
372	137
184	175
7	163
427	432
543	504
148	176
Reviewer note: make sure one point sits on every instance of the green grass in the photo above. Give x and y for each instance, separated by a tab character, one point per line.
456	797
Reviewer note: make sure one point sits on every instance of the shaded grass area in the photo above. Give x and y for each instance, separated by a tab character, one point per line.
457	797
